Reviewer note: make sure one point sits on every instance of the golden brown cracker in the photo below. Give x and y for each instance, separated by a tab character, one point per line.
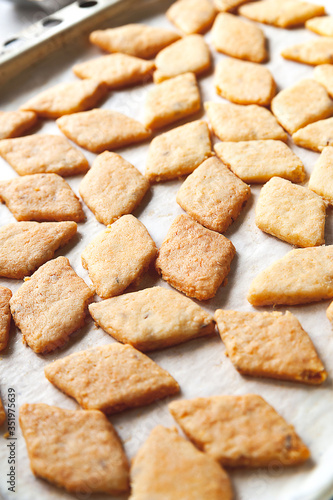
192	16
315	136
315	51
5	317
321	179
16	123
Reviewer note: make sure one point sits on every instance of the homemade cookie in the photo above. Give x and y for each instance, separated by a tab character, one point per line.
239	431
192	16
301	276
118	256
5	317
112	187
101	129
2	413
321	25
244	82
152	319
41	197
76	450
51	305
172	100
134	39
39	153
315	51
237	38
15	123
233	122
213	195
321	179
305	102
168	466
315	136
291	213
24	246
259	161
194	259
324	75
226	5
270	345
178	152
190	54
111	378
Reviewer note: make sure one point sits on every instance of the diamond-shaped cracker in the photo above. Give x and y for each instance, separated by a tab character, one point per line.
270	345
321	179
24	246
239	431
111	378
315	51
15	123
233	122
39	153
101	129
281	13
41	197
301	276
134	39
172	100
237	38
244	82
116	70
76	450
213	195
178	152
190	54
192	16
2	413
169	467
315	136
305	102
152	319
321	25
194	259
291	213
226	5
118	256
50	305
259	161
324	75
5	317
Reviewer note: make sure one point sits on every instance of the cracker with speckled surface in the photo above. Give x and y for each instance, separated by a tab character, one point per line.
324	75
171	101
192	16
193	259
270	345
41	197
111	378
178	152
303	275
40	153
213	196
314	52
101	129
118	256
226	5
234	122
239	431
51	305
76	450
112	187
2	413
315	136
259	161
16	123
5	317
321	25
153	318
321	179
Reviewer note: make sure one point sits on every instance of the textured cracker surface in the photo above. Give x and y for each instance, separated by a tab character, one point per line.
192	16
15	123
313	52
315	136
321	179
321	25
5	317
226	5
324	75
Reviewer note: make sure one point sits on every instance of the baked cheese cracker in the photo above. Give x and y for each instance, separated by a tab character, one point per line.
5	317
329	312
112	187
16	123
315	51
111	378
324	75
321	179
192	16
226	5
315	136
239	431
321	25
270	345
2	413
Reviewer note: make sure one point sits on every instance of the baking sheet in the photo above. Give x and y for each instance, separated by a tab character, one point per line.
200	366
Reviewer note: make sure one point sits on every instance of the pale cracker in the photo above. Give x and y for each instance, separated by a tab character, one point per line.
118	256
112	187
51	305
329	312
169	467
5	317
305	102
226	5
324	75
213	196
194	259
16	123
259	161
321	179
315	136
190	54
41	197
237	38
321	25
76	450
2	413
178	152
101	129
172	100
192	16
153	318
239	431
303	275
234	122
291	213
38	154
314	52
270	345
